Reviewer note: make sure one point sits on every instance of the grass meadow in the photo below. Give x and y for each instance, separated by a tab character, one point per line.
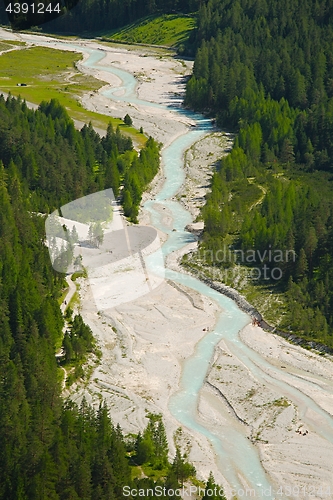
169	30
52	74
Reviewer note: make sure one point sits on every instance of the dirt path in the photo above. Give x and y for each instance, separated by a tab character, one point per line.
264	191
69	295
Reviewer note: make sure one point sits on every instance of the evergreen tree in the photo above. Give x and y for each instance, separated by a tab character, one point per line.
128	120
213	490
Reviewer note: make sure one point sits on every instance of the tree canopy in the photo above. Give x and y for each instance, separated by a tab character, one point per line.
51	448
265	70
92	15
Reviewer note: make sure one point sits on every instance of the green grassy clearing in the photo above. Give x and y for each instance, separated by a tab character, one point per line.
75	300
169	30
79	274
153	473
63	296
51	74
5	46
8	44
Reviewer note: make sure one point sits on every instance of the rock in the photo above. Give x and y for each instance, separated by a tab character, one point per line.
195	228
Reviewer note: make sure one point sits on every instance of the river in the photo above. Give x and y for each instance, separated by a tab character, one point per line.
237	456
234	451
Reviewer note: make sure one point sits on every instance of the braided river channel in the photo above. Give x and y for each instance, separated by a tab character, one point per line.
236	455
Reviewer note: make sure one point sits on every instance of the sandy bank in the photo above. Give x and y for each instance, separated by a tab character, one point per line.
274	416
160	79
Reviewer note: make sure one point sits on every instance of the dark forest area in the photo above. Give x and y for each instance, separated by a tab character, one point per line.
79	16
264	69
55	163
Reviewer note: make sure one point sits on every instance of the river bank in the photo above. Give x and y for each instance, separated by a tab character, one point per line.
295	455
292	451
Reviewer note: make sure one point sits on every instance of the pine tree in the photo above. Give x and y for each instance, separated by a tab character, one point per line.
212	490
128	120
301	266
98	234
127	203
74	237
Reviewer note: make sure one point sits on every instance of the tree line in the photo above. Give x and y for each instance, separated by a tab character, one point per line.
56	163
282	51
42	451
265	70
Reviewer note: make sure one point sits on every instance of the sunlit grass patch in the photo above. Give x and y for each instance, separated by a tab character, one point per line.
51	74
169	30
8	44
